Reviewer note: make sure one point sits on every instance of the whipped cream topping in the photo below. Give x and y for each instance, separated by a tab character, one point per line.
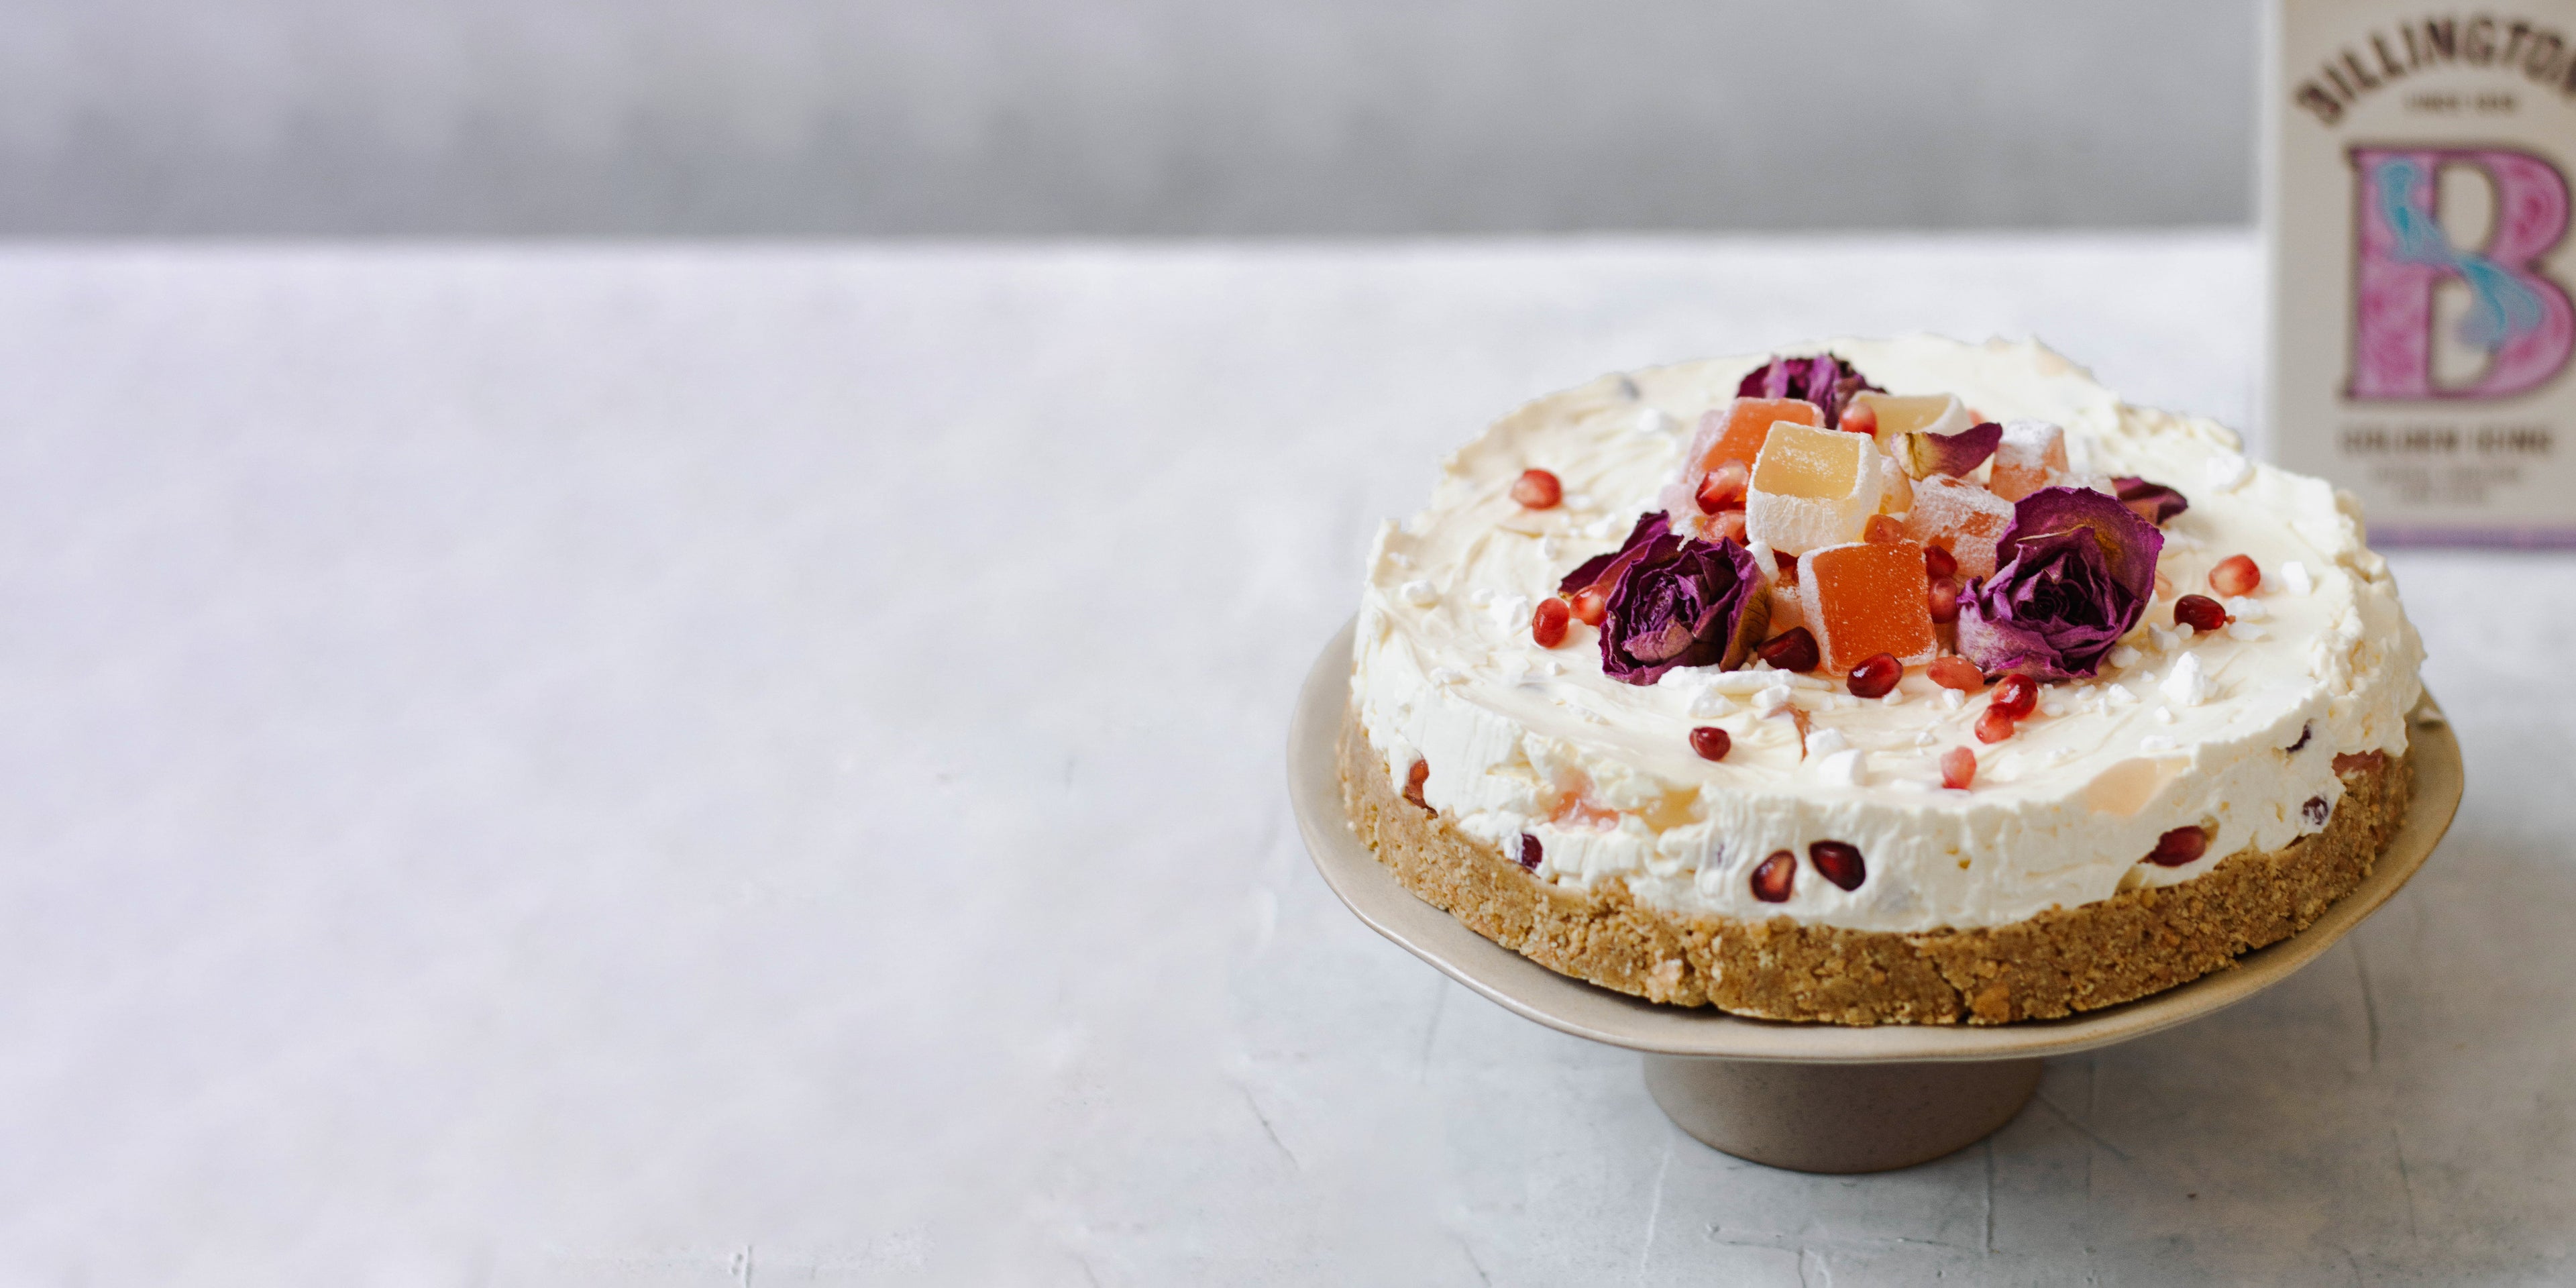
2178	729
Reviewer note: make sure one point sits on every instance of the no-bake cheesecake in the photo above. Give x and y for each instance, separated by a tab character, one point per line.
1898	681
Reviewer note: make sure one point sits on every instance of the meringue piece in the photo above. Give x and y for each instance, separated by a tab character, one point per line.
2187	685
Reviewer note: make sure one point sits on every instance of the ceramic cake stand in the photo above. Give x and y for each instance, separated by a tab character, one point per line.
1812	1097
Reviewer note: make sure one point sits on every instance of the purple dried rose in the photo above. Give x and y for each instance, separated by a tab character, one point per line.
1597	571
2078	568
1671	601
1825	380
2154	502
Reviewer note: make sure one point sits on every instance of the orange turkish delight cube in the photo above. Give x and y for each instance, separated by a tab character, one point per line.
1865	599
1748	425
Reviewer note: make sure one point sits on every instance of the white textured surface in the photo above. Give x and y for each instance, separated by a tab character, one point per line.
692	767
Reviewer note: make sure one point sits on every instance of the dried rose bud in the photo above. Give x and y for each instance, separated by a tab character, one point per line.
2077	569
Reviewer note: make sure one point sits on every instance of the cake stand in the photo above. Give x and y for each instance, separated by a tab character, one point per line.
1813	1097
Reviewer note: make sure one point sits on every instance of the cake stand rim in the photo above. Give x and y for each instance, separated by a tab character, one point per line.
1590	1011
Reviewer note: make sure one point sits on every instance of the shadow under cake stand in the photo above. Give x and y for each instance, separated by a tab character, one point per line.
1813	1097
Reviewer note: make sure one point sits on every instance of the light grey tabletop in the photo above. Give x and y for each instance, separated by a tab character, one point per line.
650	765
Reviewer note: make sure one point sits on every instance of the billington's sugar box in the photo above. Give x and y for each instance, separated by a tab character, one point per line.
2416	205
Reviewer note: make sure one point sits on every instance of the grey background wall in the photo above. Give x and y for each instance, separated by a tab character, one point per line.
1113	117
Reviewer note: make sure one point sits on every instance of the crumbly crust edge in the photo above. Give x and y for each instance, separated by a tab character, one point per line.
2062	961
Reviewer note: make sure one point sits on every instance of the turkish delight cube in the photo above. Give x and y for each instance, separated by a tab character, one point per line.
1811	488
1865	599
1960	517
1901	415
2032	456
1734	432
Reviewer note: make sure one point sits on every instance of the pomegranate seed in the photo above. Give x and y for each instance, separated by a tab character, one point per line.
1413	783
1956	673
1860	418
2235	575
1590	607
1994	726
1943	599
1840	863
1547	622
1531	852
2199	612
1938	562
1711	742
1874	676
1958	768
2315	811
2015	696
1723	487
1774	878
1882	530
1791	650
1538	490
2178	847
1727	525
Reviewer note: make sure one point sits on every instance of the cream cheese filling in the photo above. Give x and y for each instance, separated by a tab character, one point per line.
2178	731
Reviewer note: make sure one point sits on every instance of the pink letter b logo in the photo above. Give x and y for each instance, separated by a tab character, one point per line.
2518	316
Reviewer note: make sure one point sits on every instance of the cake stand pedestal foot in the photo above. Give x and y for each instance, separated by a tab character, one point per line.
1839	1117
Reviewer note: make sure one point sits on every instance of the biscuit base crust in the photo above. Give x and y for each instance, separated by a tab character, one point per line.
2062	961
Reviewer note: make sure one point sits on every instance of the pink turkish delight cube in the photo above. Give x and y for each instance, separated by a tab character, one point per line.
2031	456
1960	517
